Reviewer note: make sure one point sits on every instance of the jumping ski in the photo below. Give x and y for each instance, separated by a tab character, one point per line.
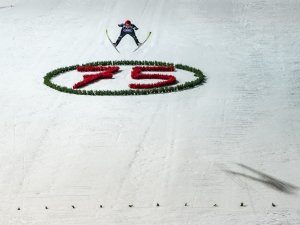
143	42
111	41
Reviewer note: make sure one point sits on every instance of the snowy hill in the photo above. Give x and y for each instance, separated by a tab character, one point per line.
234	139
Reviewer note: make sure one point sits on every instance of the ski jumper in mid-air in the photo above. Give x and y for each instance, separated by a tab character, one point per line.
127	28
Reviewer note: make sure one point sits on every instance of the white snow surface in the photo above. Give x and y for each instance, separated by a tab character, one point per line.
234	139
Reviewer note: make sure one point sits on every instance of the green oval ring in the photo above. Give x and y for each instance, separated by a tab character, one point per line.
200	79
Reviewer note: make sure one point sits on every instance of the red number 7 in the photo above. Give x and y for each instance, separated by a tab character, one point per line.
106	73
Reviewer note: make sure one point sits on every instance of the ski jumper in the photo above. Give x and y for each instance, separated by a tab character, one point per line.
129	29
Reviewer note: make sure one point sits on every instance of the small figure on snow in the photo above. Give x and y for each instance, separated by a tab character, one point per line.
273	204
127	28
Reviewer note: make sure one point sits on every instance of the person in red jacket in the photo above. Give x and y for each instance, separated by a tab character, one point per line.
127	28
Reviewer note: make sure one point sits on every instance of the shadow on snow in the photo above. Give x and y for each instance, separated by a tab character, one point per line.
265	179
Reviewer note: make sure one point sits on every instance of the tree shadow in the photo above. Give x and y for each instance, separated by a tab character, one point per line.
265	179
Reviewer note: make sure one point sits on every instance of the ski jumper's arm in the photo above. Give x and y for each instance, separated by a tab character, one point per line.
134	27
121	24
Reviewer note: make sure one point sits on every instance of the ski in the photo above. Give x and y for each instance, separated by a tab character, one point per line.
111	41
143	42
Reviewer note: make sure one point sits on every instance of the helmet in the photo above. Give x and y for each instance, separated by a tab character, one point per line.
128	22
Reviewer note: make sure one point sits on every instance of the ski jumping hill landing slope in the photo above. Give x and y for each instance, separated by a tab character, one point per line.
198	153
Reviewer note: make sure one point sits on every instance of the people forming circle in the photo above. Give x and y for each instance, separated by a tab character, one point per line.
156	70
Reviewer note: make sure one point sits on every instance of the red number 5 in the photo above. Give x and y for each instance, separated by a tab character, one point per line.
136	73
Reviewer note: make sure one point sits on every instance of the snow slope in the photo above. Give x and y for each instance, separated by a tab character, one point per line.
235	139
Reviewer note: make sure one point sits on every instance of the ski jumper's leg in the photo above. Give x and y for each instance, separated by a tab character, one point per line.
122	34
135	38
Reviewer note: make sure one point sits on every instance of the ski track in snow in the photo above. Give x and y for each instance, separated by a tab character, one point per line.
234	139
